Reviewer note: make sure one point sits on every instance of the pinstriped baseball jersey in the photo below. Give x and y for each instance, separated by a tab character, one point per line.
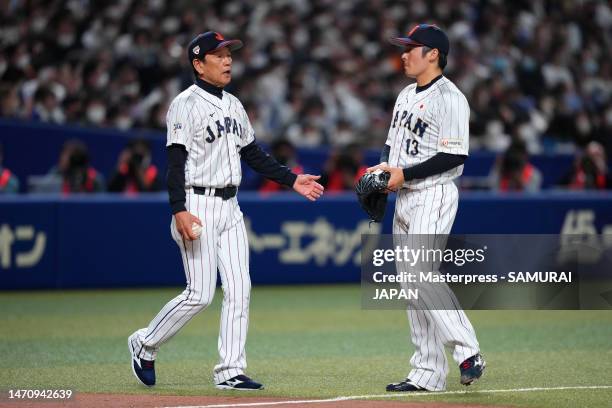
430	213
213	131
214	128
428	122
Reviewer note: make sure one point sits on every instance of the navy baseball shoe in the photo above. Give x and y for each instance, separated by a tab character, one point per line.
240	382
405	386
144	370
472	369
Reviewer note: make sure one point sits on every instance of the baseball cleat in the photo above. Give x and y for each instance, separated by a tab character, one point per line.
472	369
405	386
240	382
144	370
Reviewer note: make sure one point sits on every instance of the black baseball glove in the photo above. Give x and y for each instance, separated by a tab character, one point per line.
371	193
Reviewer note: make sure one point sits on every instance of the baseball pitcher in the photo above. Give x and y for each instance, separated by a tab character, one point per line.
424	152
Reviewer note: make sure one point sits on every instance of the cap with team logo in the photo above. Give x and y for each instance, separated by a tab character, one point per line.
424	35
207	42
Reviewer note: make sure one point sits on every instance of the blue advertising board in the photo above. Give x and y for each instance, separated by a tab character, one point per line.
116	241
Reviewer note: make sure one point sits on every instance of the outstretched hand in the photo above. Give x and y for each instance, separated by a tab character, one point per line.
306	185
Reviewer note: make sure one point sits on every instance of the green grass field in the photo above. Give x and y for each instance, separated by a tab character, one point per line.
308	342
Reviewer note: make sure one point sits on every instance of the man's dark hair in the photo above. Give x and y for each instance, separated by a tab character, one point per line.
441	57
514	158
42	93
139	143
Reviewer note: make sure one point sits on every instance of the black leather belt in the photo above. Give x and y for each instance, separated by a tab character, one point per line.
225	193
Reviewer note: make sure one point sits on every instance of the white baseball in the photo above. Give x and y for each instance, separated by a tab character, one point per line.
196	229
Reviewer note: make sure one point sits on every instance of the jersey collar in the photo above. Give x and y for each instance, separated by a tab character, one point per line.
425	87
210	88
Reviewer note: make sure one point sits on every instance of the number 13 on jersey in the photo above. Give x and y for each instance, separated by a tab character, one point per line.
412	146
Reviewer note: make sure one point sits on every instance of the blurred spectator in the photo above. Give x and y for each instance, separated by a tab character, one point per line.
513	172
343	135
46	107
135	173
74	171
590	170
343	169
9	183
536	68
284	152
9	101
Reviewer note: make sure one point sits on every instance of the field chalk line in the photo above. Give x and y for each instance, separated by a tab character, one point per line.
396	395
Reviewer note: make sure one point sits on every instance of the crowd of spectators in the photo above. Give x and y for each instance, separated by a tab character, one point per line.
537	73
74	173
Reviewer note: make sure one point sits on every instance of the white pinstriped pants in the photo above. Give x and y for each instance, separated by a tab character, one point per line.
432	211
223	245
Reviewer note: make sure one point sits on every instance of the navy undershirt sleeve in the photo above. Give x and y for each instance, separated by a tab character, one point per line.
177	157
384	155
437	164
266	165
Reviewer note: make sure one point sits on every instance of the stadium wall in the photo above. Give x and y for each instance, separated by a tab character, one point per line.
116	241
41	144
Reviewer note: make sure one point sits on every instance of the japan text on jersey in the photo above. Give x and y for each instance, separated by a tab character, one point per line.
213	130
428	122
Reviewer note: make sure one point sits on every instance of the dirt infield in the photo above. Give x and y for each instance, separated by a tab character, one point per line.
150	401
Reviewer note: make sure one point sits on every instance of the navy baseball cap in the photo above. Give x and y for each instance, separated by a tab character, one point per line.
424	35
207	42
